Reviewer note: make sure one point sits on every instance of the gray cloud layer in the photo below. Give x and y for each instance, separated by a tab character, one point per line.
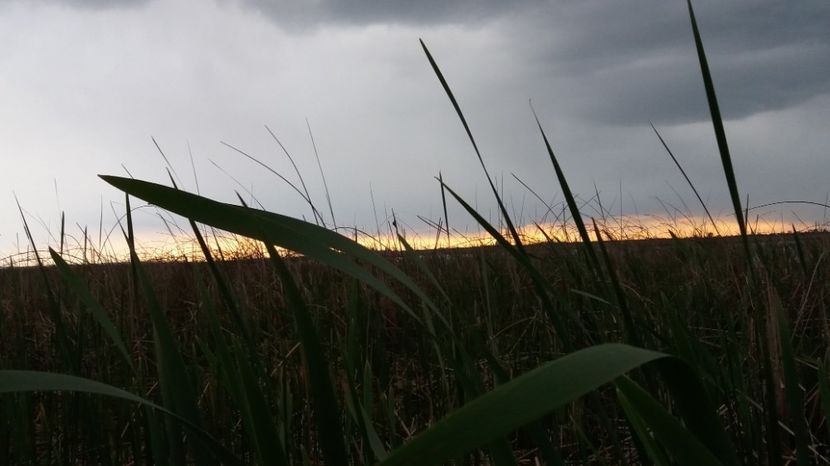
202	70
628	62
634	61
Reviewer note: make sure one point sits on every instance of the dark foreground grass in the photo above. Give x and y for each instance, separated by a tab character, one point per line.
391	378
699	351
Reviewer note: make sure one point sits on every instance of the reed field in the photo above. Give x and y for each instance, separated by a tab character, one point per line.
310	348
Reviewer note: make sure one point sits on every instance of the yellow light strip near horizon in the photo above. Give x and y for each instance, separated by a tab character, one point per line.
167	248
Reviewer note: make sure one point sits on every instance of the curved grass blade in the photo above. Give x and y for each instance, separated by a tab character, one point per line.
326	410
570	200
686	177
293	234
539	281
646	444
552	385
684	447
92	305
446	86
12	381
176	387
519	402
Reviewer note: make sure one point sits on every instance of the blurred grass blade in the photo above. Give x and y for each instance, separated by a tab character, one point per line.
12	381
519	402
92	305
669	432
795	399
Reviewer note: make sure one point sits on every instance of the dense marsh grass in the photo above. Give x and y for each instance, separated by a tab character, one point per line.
708	350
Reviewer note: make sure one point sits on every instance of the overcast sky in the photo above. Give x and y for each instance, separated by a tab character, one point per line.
84	85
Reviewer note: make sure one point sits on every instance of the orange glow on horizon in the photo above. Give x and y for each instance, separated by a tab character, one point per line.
164	247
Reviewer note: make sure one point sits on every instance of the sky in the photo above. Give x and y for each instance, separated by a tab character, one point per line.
86	85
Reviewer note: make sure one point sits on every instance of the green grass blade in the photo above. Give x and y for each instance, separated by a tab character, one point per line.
308	239
519	402
461	117
539	282
717	122
647	445
795	399
570	200
631	332
686	177
75	283
326	410
173	376
684	447
12	381
61	332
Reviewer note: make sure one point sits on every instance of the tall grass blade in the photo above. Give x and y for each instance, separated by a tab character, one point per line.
824	392
630	329
326	409
669	432
61	334
686	177
570	200
795	399
519	402
717	122
173	376
540	284
12	381
92	305
513	232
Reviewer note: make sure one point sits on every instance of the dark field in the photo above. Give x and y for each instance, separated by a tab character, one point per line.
691	298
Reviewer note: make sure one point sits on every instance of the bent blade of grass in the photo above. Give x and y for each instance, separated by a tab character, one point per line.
539	282
61	331
177	388
645	443
14	381
513	232
519	402
628	320
684	447
570	200
305	238
686	177
326	410
92	305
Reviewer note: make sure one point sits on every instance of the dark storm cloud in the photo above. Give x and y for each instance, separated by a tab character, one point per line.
304	14
630	62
